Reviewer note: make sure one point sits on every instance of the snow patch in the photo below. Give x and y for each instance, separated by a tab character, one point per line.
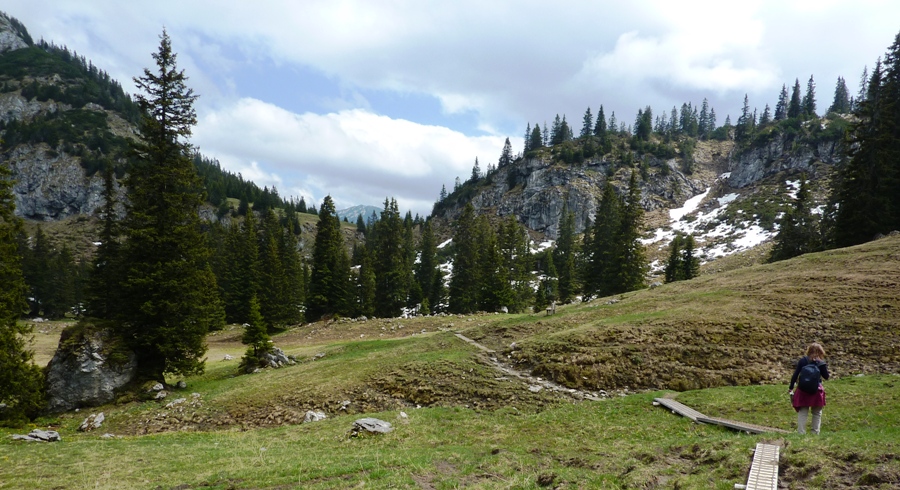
449	240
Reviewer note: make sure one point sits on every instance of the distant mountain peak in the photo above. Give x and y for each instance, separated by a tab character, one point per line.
353	212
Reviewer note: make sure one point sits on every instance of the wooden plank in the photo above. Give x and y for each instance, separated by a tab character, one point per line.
741	426
764	469
680	408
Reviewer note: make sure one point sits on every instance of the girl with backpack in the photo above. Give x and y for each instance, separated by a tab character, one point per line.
810	395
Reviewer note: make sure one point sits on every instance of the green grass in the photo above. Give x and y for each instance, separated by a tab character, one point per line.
726	341
619	443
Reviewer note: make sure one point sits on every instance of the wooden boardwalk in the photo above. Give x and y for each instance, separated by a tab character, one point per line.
764	469
686	411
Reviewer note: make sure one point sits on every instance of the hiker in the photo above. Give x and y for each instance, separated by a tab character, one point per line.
810	395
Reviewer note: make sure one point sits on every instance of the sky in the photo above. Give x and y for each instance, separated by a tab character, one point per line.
368	99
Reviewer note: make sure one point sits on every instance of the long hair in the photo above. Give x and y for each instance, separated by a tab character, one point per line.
815	352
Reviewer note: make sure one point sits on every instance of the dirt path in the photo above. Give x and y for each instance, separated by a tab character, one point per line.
534	383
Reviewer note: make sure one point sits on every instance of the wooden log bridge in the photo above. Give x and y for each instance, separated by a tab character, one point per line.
764	468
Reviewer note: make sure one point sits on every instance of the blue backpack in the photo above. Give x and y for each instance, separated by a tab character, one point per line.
810	377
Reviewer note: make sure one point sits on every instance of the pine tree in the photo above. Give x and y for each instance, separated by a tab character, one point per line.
862	94
690	264
493	287
566	249
809	100
427	266
365	284
798	231
170	298
330	275
674	268
106	273
464	281
21	382
506	156
241	275
632	258
795	106
587	126
781	107
255	335
766	117
390	264
868	190
602	268
537	140
516	260
841	102
527	139
476	172
600	127
703	122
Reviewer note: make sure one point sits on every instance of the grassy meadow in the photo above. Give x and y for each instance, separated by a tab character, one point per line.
722	344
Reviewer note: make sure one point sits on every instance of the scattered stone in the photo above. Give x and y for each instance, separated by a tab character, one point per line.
314	416
195	395
181	385
535	388
92	422
319	355
371	426
176	402
109	436
277	358
655	284
157	387
403	415
161	395
345	404
38	435
227	357
504	309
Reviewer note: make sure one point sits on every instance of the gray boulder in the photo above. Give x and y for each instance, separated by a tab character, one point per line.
80	374
93	421
38	435
313	416
371	426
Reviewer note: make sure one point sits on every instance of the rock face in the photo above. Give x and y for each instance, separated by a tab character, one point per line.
9	38
38	435
536	190
783	154
51	185
79	374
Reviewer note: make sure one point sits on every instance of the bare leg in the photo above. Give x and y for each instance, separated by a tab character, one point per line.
802	415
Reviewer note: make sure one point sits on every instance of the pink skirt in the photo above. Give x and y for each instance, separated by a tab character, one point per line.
803	399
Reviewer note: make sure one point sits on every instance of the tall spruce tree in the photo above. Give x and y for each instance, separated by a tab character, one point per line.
328	290
632	257
464	281
809	100
601	260
517	261
587	126
798	231
427	266
170	299
21	382
868	190
566	250
795	106
390	262
506	156
781	107
841	102
106	273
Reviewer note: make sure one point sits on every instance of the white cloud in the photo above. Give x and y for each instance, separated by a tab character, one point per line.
357	156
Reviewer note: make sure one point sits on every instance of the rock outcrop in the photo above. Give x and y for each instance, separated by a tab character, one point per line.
783	154
10	40
537	189
51	185
87	371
